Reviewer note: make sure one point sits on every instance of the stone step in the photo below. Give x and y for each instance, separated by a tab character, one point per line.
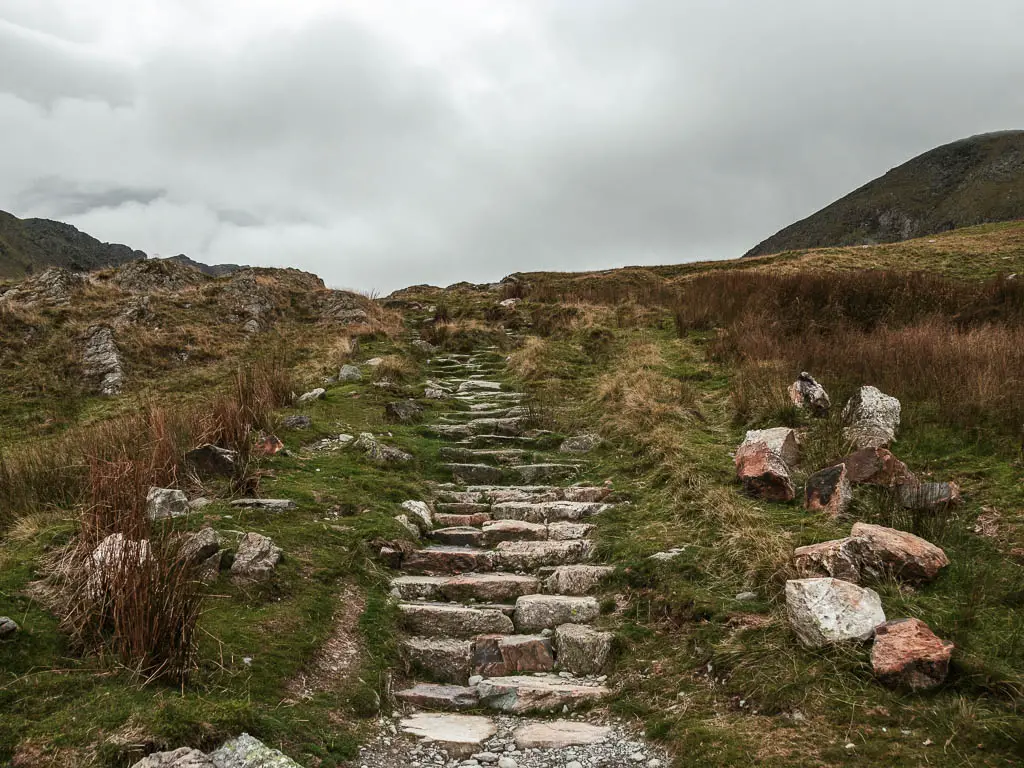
442	660
499	655
546	511
460	735
501	457
534	613
483	587
480	385
518	694
462	507
493	441
440	697
459	536
498	531
446	520
532	493
450	620
441	559
576	579
531	555
534	473
473	473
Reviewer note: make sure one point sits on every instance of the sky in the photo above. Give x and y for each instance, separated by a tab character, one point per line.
386	143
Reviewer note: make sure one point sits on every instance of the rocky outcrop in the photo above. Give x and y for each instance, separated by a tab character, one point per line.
828	611
807	393
156	276
344	308
907	654
54	286
872	418
256	558
379	452
101	360
828	491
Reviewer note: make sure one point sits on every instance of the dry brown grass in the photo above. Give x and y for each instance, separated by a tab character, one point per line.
395	368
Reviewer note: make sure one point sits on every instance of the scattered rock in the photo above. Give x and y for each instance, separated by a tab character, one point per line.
582	650
211	460
873	418
349	374
162	503
379	452
928	496
256	558
316	394
179	758
297	422
200	546
112	557
828	491
888	552
433	393
907	654
8	626
267	445
269	505
424	347
807	393
763	472
247	752
580	443
421	514
876	466
827	611
403	520
781	440
746	597
102	360
403	412
373	362
54	285
840	559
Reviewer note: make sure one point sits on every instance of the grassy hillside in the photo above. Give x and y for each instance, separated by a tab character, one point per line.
967	182
31	245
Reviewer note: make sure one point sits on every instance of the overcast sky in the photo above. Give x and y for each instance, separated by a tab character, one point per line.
390	142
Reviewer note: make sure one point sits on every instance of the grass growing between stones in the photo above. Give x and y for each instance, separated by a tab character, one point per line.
725	682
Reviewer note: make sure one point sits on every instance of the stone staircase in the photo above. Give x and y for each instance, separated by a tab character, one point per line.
497	607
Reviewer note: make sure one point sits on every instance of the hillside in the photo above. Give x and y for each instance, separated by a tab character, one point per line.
31	245
972	181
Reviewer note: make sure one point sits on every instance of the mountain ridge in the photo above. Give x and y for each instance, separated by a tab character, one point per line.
971	181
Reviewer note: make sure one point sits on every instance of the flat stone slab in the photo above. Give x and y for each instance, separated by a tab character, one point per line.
559	734
484	587
577	579
458	536
443	659
536	693
563	530
531	473
473	473
498	531
546	511
531	555
443	697
453	621
447	520
271	505
461	735
537	612
443	559
479	385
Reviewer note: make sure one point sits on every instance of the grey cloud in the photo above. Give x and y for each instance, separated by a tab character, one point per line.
628	132
59	197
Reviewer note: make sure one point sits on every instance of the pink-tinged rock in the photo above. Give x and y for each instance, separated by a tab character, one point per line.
489	587
877	466
563	530
807	393
928	496
448	560
764	473
436	696
537	693
839	559
886	551
828	491
501	655
907	654
447	520
782	440
513	530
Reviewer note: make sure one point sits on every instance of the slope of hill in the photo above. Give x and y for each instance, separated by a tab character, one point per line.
31	245
215	270
972	181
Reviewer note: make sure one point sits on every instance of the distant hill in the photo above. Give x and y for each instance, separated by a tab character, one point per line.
31	245
215	270
971	181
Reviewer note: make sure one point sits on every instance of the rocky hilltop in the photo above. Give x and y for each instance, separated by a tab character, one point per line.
30	245
972	181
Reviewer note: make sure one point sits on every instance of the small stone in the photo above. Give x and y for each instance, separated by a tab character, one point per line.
886	551
316	394
269	505
781	440
827	611
873	418
8	626
840	559
163	503
580	443
763	472
877	466
807	393
210	459
256	558
828	491
348	374
297	422
928	496
507	762
247	752
403	412
746	597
